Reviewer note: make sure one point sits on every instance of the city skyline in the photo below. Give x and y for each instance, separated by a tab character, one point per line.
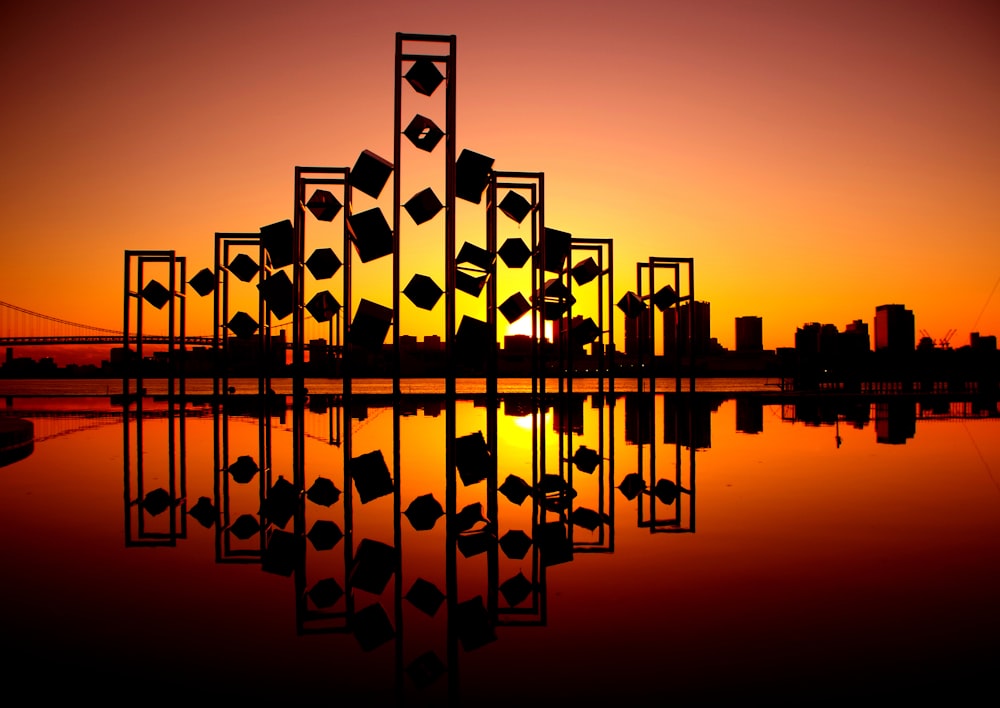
810	160
907	336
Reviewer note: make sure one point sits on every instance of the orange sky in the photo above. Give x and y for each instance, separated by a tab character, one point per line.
817	159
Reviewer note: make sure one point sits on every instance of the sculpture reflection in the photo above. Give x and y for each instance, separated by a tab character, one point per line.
424	525
424	522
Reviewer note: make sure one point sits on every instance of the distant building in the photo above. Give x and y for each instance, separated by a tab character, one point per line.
636	333
749	334
984	343
432	343
319	352
517	344
697	315
895	422
807	338
855	337
749	416
894	329
408	342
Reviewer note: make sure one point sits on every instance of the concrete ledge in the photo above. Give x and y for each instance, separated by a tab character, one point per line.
17	439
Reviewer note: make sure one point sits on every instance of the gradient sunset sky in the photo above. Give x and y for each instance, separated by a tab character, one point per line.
817	159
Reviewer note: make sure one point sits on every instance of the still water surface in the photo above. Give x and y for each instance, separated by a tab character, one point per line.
791	552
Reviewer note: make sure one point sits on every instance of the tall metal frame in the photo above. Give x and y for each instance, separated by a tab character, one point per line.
670	491
176	316
306	177
448	59
605	310
224	244
648	348
225	550
137	529
174	292
534	184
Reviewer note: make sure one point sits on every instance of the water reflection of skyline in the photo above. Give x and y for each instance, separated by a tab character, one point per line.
424	595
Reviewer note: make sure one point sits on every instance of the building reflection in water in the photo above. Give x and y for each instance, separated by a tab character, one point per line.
399	575
432	537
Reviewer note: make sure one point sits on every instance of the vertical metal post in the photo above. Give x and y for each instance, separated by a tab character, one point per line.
345	358
611	322
298	274
138	334
171	314
491	290
217	356
126	377
537	283
396	197
449	191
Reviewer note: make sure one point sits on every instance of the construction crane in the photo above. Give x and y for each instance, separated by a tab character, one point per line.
942	343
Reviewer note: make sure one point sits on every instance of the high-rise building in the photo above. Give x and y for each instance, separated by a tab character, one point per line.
749	334
637	333
675	338
807	338
855	337
894	329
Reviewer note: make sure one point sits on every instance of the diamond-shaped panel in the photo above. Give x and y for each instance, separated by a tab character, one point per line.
424	76
586	459
516	590
371	324
585	271
323	492
425	596
514	308
323	263
324	205
243	470
557	246
423	206
371	476
155	294
278	293
245	527
471	283
632	305
243	267
242	325
203	282
323	306
584	332
472	340
423	512
373	566
370	233
324	534
472	458
423	133
475	255
372	627
370	173
278	240
665	297
326	593
515	544
515	489
515	206
423	292
514	253
472	174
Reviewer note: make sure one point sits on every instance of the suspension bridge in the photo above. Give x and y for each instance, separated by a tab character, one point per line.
21	327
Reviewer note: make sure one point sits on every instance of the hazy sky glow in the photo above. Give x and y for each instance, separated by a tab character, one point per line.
817	159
